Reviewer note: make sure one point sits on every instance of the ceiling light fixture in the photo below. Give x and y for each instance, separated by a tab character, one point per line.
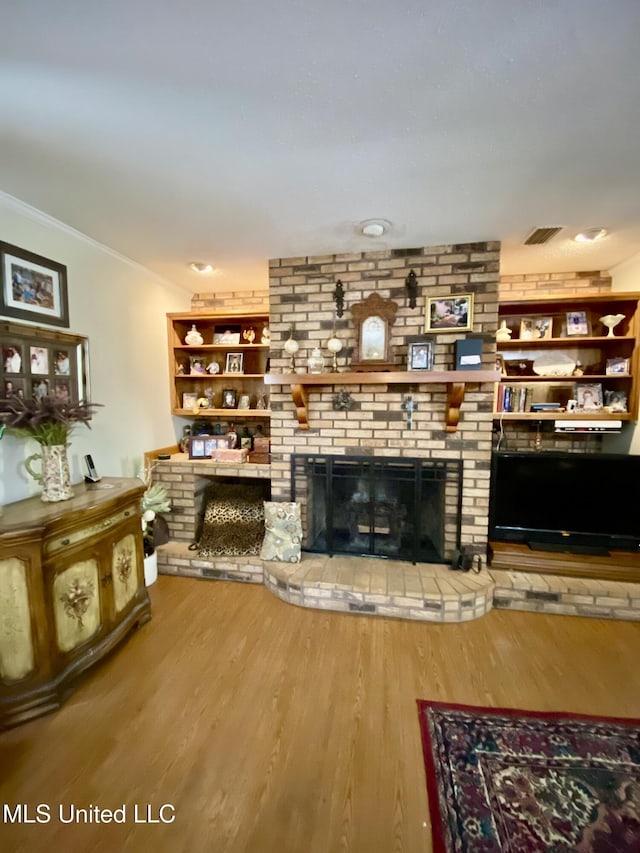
591	235
198	266
374	227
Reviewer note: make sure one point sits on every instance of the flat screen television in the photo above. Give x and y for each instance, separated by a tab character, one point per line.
572	502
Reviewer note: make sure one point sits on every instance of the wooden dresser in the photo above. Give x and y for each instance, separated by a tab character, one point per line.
71	587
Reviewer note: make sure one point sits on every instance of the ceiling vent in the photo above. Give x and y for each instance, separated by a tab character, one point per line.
542	235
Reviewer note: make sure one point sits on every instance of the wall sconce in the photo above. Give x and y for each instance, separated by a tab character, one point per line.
338	296
412	288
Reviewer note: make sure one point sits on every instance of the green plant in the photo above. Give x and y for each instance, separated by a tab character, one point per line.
154	500
47	420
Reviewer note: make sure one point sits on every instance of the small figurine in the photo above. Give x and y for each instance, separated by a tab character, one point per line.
504	332
193	338
249	335
266	336
232	437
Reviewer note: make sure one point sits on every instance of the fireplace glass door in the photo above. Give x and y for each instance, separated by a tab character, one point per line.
403	509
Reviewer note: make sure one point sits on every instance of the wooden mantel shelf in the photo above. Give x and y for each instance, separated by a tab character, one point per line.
455	380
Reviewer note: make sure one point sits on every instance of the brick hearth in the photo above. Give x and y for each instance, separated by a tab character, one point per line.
426	592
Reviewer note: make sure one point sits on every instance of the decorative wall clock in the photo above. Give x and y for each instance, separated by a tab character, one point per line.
373	319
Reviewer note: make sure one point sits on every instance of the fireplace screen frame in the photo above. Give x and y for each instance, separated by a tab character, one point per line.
416	474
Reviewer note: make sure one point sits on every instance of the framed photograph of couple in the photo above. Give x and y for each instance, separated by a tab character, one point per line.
33	288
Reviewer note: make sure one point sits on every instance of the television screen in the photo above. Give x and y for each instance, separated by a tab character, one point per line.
586	502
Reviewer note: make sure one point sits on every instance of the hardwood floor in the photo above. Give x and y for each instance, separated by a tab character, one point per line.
269	727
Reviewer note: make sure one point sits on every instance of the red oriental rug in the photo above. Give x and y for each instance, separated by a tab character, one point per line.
528	782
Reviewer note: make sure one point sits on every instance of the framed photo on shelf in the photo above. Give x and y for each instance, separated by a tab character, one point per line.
229	398
33	288
588	397
189	400
449	313
617	366
615	401
419	353
233	363
542	328
198	447
527	331
577	323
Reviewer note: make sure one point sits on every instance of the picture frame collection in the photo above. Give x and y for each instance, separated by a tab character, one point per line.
43	362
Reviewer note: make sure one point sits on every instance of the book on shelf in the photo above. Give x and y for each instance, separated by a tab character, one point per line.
513	398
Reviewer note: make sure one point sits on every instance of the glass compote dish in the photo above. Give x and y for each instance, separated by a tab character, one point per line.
611	321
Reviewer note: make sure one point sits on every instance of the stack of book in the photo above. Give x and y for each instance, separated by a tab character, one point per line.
513	398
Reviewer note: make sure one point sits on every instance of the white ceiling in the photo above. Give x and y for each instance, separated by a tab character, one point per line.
240	131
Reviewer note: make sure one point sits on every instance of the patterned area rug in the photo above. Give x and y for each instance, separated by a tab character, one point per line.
528	782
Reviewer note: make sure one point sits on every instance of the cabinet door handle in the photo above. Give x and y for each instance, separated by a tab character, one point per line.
66	541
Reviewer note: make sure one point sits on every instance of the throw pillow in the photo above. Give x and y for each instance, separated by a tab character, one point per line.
283	532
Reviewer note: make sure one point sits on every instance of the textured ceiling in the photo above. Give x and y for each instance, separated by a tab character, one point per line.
237	132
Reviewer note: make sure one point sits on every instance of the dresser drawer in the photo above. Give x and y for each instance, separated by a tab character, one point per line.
73	537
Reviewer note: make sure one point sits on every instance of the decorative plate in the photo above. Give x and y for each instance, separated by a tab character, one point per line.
553	364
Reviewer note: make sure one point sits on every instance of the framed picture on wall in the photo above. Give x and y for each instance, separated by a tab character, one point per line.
449	313
44	362
33	288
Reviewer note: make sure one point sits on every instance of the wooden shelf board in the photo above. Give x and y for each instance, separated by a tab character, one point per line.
229	347
454	380
562	416
204	413
565	343
407	377
565	379
217	376
512	556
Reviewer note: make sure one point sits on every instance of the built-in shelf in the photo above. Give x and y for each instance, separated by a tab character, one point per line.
455	380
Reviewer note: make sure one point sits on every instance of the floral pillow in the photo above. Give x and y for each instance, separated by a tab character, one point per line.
283	532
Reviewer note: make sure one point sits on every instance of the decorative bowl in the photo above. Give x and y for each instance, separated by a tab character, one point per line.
553	364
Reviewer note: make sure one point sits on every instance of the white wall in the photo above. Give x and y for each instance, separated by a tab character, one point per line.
625	277
121	307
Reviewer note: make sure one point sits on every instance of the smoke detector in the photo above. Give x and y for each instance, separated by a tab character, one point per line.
201	267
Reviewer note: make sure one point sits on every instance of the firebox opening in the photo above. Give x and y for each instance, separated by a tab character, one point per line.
402	509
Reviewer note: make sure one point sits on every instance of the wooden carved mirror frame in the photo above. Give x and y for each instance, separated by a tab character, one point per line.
373	318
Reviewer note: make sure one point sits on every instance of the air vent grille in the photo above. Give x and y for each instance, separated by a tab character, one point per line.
542	235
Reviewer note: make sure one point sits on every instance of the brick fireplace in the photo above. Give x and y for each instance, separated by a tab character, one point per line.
301	297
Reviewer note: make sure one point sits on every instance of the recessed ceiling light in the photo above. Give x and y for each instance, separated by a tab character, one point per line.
374	227
198	266
591	235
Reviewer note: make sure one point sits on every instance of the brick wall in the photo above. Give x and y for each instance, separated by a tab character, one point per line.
241	300
537	285
301	294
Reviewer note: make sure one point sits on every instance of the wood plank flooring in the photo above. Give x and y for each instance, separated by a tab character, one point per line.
269	727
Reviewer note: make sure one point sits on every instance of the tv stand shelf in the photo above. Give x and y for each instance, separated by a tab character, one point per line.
515	557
